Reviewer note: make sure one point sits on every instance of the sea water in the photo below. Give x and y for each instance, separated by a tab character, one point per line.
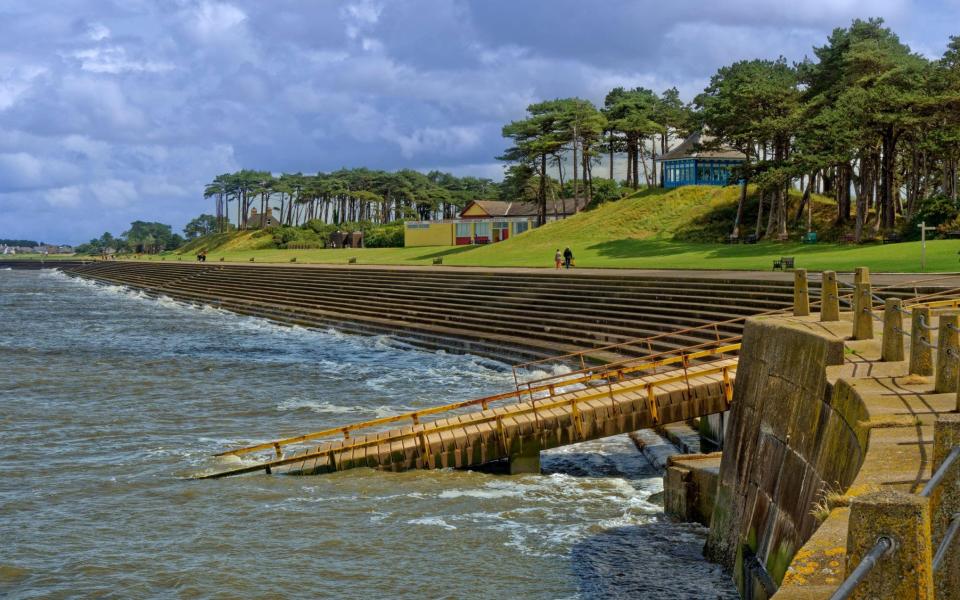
110	400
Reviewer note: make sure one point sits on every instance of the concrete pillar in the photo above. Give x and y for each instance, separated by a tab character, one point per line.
892	349
947	353
921	358
862	312
829	297
905	572
861	275
944	503
525	455
801	293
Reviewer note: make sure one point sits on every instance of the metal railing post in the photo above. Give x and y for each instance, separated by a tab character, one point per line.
892	347
947	353
904	569
945	505
862	312
801	293
921	356
829	297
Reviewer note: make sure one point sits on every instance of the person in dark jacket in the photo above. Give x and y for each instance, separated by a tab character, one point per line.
567	257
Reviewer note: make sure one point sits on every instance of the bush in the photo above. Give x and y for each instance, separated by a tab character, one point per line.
385	236
938	211
282	236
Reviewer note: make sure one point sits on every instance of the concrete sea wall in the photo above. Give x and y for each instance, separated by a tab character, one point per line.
791	437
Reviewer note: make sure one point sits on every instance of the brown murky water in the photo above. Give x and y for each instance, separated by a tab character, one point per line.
109	398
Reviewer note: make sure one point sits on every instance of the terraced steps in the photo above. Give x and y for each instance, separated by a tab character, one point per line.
506	316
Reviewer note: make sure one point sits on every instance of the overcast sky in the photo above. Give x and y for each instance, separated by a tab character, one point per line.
115	110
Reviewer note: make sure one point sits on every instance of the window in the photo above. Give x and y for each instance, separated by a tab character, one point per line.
482	230
520	226
463	229
501	225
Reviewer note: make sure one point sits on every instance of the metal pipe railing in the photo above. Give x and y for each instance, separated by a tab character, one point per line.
880	549
941	472
948	537
420	430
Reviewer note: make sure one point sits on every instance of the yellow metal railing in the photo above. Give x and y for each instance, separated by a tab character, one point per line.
420	431
542	392
414	416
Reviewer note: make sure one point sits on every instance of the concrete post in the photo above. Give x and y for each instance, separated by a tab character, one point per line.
861	275
524	455
862	312
921	359
892	349
801	293
906	571
944	503
947	353
829	297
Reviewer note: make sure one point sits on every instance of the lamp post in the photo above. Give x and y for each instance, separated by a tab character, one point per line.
923	244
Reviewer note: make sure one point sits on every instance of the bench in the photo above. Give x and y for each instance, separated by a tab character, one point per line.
750	239
783	263
809	238
352	260
438	260
732	239
848	238
891	238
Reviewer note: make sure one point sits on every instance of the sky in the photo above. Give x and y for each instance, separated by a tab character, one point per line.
117	110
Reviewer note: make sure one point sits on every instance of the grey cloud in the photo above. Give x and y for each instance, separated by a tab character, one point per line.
112	110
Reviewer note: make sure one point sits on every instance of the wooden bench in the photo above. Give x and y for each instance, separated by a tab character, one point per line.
891	238
783	263
732	239
848	238
750	239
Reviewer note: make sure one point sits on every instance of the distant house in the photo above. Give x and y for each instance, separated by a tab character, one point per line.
258	221
698	161
486	222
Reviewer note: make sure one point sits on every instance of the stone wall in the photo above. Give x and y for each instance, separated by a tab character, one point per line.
791	437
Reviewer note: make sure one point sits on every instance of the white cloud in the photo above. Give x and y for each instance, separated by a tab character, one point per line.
213	20
97	32
448	140
64	197
113	193
114	60
16	80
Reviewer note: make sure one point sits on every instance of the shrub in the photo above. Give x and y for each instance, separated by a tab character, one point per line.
938	211
385	236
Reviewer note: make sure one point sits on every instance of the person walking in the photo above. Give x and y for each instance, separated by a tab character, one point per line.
558	258
567	257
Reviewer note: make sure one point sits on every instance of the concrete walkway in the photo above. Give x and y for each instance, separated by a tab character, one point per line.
879	279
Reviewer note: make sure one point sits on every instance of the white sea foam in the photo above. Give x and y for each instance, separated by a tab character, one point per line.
433	521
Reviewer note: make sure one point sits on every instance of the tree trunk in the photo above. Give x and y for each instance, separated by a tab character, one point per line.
542	191
887	180
740	204
759	214
575	190
611	155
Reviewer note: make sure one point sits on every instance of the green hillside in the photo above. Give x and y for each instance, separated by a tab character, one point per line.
652	229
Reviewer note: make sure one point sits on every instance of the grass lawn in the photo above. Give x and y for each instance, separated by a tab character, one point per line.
639	254
652	229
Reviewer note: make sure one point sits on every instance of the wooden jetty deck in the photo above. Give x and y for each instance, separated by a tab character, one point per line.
517	431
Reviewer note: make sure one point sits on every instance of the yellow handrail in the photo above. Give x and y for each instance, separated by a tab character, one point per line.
617	370
429	428
415	415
